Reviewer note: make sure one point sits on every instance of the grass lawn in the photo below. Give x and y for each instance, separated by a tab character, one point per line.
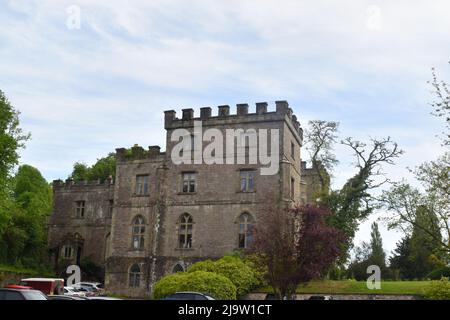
349	286
30	272
387	287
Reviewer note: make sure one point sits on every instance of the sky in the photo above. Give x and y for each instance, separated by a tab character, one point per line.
92	76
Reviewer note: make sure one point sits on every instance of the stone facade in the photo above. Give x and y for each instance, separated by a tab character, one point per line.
167	216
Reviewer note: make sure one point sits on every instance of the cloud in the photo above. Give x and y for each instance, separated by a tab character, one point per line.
84	92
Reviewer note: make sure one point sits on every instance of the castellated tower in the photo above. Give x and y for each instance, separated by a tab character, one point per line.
167	215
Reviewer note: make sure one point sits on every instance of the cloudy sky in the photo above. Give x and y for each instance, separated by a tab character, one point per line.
85	89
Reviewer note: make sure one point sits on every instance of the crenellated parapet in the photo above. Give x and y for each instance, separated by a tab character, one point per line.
282	113
71	184
138	153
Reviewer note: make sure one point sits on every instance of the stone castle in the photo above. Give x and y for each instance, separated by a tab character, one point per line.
158	217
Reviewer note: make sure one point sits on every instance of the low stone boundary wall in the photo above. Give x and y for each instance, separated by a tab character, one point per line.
261	296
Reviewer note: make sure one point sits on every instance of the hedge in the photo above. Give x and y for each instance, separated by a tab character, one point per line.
240	274
210	283
439	273
438	290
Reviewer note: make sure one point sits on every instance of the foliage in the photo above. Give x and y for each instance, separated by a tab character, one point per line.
12	138
369	254
232	267
90	270
353	202
320	138
101	170
377	256
295	246
439	273
216	285
412	210
24	241
400	262
439	290
441	106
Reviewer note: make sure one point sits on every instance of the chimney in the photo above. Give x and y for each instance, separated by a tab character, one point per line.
205	113
188	114
261	107
242	109
224	111
282	106
169	117
154	150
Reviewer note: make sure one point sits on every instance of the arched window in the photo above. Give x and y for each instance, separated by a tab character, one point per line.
178	268
185	225
138	233
245	230
135	276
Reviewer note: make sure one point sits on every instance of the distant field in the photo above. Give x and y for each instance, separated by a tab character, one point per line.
348	286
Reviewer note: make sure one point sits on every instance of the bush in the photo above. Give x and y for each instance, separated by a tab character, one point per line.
439	290
233	268
210	283
439	273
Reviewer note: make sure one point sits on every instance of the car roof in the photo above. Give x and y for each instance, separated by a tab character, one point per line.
190	292
21	290
43	279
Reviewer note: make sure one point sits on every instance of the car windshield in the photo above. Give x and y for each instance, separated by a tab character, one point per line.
34	295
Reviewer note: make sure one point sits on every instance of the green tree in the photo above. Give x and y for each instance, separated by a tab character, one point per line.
353	203
377	255
320	138
441	105
232	267
12	138
101	170
25	237
400	262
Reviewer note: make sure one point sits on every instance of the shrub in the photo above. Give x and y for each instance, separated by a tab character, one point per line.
439	273
439	290
210	283
233	268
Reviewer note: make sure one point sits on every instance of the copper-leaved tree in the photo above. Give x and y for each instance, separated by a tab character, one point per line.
296	246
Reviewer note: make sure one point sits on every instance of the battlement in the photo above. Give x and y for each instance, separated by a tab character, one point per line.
82	185
282	113
138	153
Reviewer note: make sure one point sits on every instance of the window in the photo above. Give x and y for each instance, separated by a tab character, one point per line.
67	252
110	208
138	233
185	231
292	150
292	188
80	209
178	268
189	182
142	185
247	181
245	230
135	276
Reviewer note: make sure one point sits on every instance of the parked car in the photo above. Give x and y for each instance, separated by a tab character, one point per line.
320	298
73	292
21	294
91	286
66	298
48	286
103	298
270	296
188	296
